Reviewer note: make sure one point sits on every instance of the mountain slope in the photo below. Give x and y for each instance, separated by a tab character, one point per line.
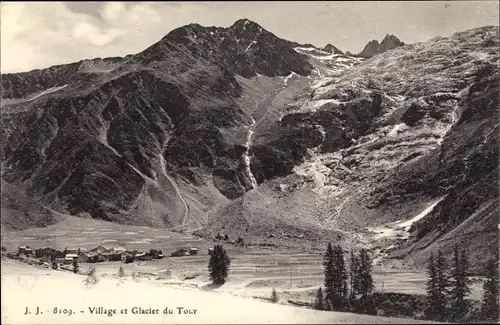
365	141
106	142
236	129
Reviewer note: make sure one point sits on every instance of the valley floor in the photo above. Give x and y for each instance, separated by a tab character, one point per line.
296	273
49	289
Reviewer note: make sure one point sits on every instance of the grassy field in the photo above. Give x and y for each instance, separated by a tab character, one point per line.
46	289
254	271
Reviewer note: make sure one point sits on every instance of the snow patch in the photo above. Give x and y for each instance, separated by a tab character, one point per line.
398	128
288	77
400	229
248	47
246	157
406	225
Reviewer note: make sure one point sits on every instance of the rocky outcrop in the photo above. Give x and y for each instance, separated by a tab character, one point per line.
463	170
388	43
374	47
370	49
330	128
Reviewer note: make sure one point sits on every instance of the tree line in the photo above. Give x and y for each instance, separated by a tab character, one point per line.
346	289
448	287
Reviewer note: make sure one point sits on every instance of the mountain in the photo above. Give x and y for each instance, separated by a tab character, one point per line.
374	47
237	129
102	135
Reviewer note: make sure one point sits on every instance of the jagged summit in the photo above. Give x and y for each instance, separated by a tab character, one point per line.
374	47
389	42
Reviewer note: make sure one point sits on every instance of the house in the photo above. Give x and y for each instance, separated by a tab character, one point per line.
70	256
156	253
88	257
193	251
25	250
143	257
181	252
99	249
111	256
127	257
119	250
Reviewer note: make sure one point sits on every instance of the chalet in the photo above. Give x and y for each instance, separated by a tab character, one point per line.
72	250
181	252
127	257
25	250
119	250
143	257
99	249
70	256
88	257
111	256
193	251
156	253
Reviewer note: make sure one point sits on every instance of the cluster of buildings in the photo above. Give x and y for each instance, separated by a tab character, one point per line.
95	255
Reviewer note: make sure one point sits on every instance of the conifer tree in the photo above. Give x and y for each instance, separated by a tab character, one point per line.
353	273
459	306
437	284
489	304
318	302
121	272
75	266
274	296
365	273
328	259
339	278
91	278
341	272
218	265
432	293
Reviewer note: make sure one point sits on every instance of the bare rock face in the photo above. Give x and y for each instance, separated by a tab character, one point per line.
370	49
388	43
464	171
184	129
373	47
104	136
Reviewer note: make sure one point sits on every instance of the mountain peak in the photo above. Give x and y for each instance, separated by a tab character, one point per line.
245	25
374	47
389	42
332	49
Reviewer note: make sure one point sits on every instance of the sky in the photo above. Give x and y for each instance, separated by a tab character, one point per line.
37	35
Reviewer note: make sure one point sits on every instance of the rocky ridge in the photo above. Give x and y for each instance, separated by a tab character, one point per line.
374	47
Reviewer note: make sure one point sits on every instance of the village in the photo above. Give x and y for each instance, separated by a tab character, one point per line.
48	256
56	258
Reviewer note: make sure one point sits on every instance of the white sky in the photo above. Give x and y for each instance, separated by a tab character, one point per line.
37	35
